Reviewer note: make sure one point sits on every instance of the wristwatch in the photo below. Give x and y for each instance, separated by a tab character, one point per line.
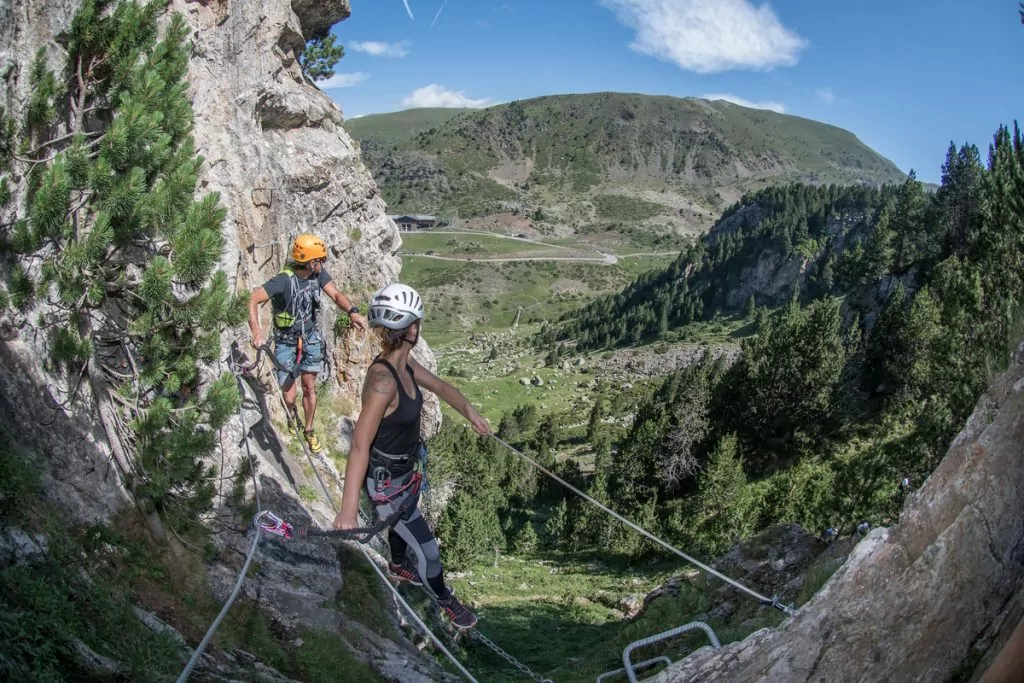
354	309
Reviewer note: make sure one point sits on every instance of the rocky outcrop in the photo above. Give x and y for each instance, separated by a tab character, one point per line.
317	16
275	151
919	600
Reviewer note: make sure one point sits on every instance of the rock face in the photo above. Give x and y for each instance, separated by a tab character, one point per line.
275	151
69	445
916	600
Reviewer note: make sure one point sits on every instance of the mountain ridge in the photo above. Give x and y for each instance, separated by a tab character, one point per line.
550	156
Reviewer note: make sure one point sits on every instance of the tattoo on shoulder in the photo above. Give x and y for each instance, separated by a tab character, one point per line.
379	380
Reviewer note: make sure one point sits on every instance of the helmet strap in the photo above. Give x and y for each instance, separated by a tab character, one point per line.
402	336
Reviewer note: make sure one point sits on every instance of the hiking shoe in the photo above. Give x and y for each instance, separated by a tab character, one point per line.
400	572
457	612
314	443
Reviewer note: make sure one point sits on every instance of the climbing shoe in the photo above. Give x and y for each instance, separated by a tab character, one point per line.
457	612
314	443
402	573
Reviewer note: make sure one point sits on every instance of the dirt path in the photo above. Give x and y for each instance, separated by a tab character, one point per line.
484	232
606	258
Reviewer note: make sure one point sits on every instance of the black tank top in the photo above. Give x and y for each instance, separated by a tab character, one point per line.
399	432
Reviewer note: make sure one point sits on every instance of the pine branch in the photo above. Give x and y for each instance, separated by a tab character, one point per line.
185	543
79	108
119	451
135	371
114	374
62	138
119	398
66	403
34	162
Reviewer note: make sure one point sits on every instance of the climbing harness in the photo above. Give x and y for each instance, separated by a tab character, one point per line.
285	319
773	601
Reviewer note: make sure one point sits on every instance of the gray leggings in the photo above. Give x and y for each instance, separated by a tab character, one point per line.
411	531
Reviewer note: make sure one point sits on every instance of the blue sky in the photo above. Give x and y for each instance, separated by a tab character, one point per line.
906	76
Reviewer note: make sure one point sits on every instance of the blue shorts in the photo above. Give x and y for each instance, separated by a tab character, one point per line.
312	358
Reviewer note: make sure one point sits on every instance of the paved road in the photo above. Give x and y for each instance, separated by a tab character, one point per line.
606	259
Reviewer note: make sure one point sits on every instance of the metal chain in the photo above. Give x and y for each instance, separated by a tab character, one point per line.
525	670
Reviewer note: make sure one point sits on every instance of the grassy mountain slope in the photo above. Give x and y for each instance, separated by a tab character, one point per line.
595	158
400	125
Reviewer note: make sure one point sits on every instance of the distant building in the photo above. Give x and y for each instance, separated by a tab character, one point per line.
408	222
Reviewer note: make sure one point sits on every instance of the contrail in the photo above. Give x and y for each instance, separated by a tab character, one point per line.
408	9
438	13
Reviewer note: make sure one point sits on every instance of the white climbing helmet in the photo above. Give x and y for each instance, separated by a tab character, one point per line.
395	307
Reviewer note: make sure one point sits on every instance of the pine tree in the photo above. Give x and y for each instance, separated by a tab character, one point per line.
908	220
789	375
548	434
127	252
594	424
959	196
554	528
721	503
879	252
682	451
525	540
751	309
827	279
320	56
886	360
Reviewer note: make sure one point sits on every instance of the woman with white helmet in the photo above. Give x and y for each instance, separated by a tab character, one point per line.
386	448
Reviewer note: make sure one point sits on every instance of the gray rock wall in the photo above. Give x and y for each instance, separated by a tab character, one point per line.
913	601
275	150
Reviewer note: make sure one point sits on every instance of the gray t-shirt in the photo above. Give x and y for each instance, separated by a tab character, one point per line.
298	296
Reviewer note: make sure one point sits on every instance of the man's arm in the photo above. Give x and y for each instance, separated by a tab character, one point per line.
345	304
379	389
259	295
343	301
450	395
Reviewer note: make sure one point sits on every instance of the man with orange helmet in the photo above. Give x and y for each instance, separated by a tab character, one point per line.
295	298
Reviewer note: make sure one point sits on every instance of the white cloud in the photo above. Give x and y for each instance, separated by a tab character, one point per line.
767	104
408	9
707	36
377	48
435	95
825	95
342	80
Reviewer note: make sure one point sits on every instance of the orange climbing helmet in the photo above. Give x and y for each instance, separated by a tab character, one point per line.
308	247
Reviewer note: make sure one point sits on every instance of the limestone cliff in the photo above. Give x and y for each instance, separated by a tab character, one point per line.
274	149
924	599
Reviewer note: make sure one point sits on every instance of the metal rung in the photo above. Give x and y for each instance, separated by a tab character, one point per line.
631	673
642	665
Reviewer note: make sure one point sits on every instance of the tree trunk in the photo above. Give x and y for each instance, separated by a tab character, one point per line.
105	411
